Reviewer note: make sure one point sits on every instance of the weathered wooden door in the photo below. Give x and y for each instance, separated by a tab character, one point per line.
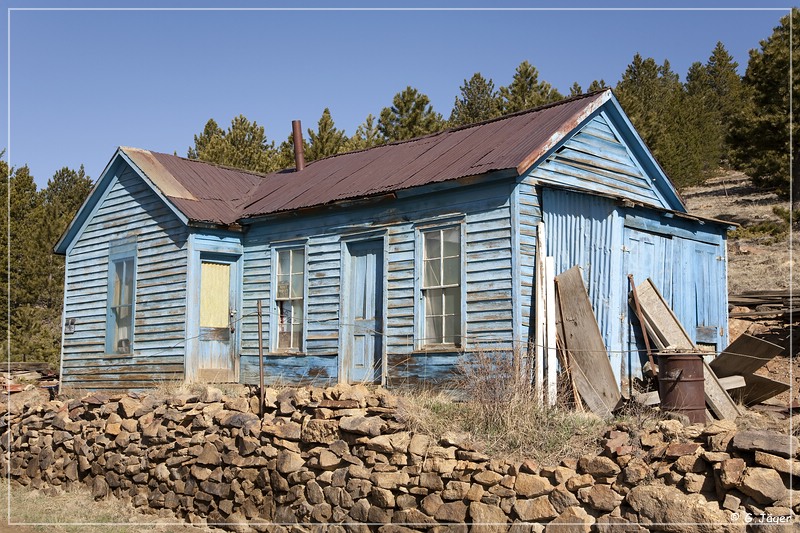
646	255
363	312
217	318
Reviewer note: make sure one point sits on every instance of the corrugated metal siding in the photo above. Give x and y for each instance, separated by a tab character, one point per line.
129	209
486	215
594	159
586	231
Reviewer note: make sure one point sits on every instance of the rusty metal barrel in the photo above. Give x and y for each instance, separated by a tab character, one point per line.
680	385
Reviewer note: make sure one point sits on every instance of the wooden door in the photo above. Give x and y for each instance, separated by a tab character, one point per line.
217	316
363	312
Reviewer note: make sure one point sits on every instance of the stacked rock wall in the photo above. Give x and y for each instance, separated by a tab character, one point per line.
342	456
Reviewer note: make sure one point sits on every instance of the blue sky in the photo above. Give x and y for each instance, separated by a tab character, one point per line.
84	82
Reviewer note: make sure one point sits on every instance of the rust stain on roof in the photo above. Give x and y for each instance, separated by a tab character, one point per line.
211	193
168	184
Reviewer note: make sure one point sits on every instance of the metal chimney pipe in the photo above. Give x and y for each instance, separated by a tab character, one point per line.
297	139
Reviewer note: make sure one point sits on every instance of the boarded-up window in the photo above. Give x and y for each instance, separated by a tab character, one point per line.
441	286
215	295
290	283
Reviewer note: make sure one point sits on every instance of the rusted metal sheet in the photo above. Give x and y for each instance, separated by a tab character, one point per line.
215	194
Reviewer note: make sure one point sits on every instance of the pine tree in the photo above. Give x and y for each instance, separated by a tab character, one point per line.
760	132
597	85
201	142
526	91
327	140
284	157
367	135
675	125
243	145
575	90
410	115
38	219
478	102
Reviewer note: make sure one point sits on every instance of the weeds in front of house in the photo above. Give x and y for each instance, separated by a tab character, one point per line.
496	410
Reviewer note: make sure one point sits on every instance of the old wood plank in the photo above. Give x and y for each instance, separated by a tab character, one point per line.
759	389
590	367
744	356
666	331
550	314
663	326
540	312
717	398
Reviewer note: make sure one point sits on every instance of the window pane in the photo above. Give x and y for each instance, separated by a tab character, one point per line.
284	262
283	286
119	274
433	302
452	303
127	287
284	324
433	330
450	330
452	271
298	260
297	324
297	286
432	244
432	275
452	242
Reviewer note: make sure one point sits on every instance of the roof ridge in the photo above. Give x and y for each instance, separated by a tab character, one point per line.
474	124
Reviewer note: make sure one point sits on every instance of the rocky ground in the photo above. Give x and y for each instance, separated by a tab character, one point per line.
343	455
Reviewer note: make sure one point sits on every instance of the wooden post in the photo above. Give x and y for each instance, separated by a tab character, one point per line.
539	329
552	355
260	366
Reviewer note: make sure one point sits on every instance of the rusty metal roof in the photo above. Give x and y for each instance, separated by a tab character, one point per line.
202	191
211	193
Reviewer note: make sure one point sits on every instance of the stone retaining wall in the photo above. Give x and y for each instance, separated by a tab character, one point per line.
342	456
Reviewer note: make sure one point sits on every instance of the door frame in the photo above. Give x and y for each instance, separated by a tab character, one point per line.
379	238
214	247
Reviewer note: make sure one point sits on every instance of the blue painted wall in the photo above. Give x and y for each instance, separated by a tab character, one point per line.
128	209
484	211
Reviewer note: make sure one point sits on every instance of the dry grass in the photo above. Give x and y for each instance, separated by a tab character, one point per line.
499	414
75	511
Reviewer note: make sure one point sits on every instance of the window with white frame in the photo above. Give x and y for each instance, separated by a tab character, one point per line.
290	281
441	286
121	297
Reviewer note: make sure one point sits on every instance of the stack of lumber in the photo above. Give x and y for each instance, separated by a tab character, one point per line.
778	303
22	376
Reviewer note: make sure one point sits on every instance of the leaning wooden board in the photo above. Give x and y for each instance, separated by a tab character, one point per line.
578	329
744	356
666	331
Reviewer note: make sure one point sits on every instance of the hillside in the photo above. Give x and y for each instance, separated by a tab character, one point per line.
759	259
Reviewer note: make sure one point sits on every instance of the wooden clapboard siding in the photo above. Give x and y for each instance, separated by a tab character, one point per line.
597	160
484	211
129	209
529	215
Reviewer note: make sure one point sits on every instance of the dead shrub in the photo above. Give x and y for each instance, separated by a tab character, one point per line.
496	408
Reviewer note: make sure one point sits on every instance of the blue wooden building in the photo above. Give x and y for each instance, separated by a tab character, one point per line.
382	265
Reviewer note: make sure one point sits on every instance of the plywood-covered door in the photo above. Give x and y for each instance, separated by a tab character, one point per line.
363	312
217	321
